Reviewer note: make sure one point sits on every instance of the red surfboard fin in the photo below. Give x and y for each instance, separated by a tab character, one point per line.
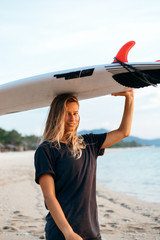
122	55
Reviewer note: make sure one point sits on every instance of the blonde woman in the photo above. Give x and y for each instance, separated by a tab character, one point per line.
65	166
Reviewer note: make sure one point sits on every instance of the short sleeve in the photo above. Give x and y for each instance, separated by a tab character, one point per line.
44	162
96	141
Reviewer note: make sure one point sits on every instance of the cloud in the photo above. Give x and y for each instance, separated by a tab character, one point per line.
155	100
148	99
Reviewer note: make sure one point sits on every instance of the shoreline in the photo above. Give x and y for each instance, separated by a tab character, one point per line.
22	210
128	148
109	149
138	189
126	217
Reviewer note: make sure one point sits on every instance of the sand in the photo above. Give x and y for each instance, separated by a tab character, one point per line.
22	212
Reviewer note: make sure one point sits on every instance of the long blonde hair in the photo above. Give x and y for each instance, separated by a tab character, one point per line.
55	125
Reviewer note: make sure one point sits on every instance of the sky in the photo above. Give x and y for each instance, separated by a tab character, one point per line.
38	37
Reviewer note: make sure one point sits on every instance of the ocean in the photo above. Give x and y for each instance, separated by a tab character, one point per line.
135	172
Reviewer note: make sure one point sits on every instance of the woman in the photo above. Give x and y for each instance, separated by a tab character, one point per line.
66	169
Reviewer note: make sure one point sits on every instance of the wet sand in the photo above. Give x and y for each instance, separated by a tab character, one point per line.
22	210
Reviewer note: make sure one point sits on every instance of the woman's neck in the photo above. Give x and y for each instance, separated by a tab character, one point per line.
64	139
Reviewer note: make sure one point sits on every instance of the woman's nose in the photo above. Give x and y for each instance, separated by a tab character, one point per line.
71	117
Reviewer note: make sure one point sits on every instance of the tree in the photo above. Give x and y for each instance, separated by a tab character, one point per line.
12	137
31	141
2	134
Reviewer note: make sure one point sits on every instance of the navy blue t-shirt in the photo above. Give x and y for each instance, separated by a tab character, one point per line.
75	184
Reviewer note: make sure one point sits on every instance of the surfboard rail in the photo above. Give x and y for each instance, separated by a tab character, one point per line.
85	82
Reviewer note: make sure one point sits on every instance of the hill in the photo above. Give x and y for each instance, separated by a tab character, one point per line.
129	141
144	142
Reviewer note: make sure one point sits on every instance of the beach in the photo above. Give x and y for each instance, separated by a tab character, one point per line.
22	211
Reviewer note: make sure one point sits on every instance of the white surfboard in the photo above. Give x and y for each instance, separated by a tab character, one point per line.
85	82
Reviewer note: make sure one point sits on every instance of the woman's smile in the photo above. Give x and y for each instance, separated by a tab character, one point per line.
71	117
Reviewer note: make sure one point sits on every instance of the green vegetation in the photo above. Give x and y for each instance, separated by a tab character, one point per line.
14	139
10	137
123	144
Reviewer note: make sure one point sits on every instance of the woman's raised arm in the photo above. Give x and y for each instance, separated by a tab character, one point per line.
125	126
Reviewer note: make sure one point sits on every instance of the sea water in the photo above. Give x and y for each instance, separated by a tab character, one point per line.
135	172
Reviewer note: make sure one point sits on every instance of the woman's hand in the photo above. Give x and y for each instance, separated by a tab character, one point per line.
73	236
129	93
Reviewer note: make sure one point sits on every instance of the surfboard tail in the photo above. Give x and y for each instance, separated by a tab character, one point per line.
137	78
133	77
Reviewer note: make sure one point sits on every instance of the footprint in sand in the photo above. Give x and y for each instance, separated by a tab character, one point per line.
156	228
110	228
21	223
126	220
137	229
109	211
10	229
125	205
102	225
157	219
106	215
146	215
101	205
112	200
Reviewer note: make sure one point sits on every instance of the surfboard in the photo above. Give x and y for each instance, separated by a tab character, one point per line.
85	82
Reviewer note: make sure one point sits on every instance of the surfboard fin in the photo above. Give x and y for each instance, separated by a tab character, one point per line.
122	55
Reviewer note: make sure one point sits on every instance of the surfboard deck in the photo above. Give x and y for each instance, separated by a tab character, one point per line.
86	82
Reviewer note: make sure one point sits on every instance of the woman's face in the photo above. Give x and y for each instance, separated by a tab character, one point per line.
71	117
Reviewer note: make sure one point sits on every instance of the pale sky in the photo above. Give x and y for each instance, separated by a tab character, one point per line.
45	36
